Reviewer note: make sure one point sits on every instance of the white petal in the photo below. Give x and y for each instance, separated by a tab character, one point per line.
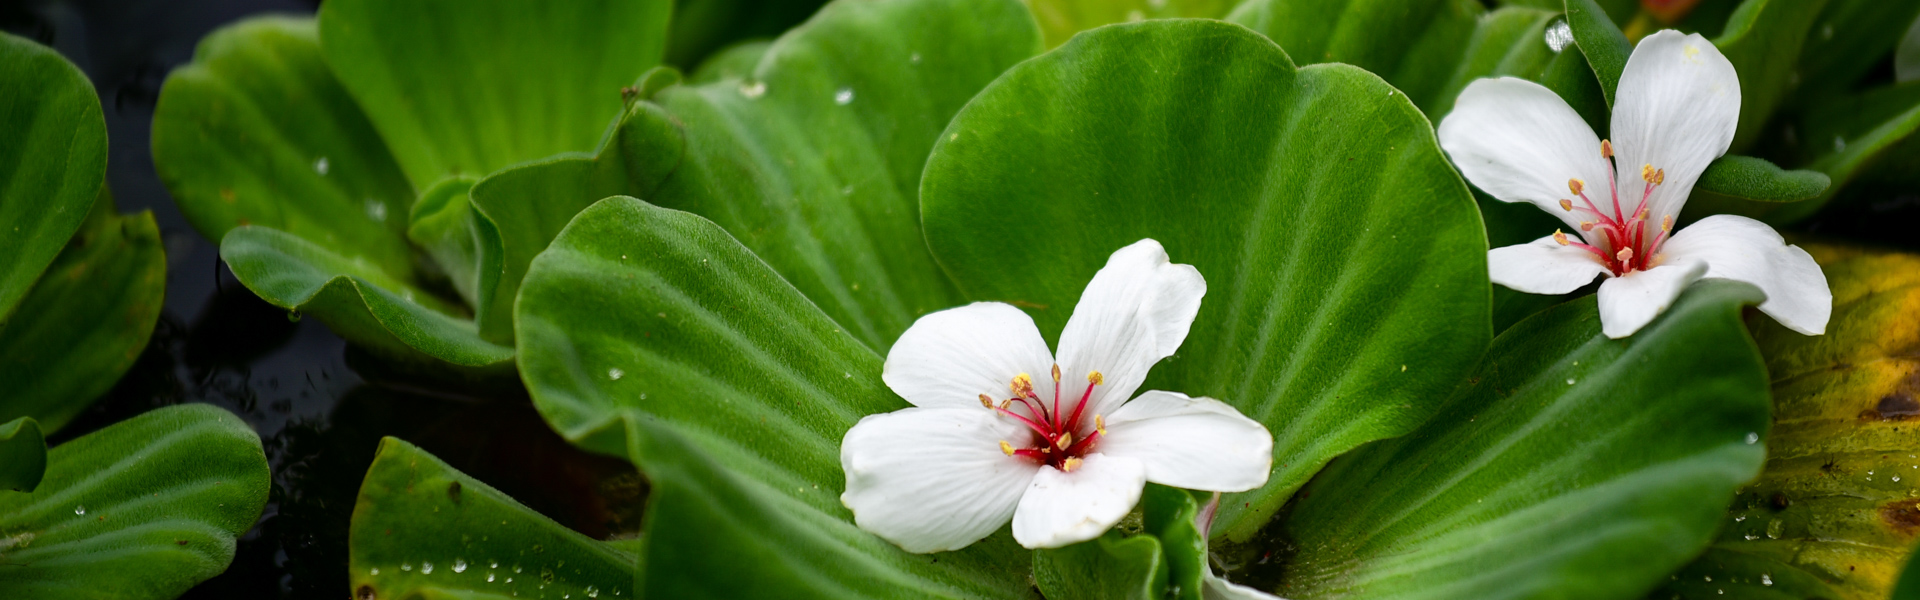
1543	266
1067	508
1192	443
949	358
1213	587
1136	311
933	479
1677	107
1631	301
1520	142
1742	249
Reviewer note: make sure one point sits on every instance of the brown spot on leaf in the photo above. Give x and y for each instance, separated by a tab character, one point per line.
180	542
1780	501
1897	406
365	593
226	194
1902	515
453	492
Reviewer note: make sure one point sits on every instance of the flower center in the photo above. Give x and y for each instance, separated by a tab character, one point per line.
1058	439
1626	234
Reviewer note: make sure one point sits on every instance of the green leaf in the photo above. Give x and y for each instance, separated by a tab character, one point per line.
23	455
1862	142
1571	466
813	163
1415	44
357	300
464	87
141	510
424	530
1169	517
1509	41
1834	510
1112	566
1906	66
1345	263
87	320
256	130
1755	179
1061	19
716	532
1763	41
652	323
1909	586
467	247
53	163
1851	38
1605	47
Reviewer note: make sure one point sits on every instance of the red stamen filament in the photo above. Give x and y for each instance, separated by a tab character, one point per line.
1626	235
1060	441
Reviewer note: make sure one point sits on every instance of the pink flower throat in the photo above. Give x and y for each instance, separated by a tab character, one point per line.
1058	439
1626	233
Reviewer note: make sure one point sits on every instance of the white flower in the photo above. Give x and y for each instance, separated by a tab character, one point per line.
1677	106
1001	431
1215	587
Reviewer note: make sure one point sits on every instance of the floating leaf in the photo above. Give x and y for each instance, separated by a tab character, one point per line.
23	455
424	530
1345	263
257	131
464	87
86	321
359	301
813	161
52	165
1834	512
141	510
1107	567
1571	466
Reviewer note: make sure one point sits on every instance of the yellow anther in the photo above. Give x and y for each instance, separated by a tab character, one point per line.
1666	224
1066	439
1006	447
1566	205
1100	424
1070	465
1096	378
1659	176
1646	173
1625	254
1021	384
1005	403
985	401
1586	225
1056	373
1606	149
1576	185
1559	237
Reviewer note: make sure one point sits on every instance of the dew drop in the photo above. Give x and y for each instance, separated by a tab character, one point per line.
1739	518
593	592
1559	35
753	90
1839	144
843	97
546	575
459	565
1135	16
373	571
615	374
1570	381
1766	579
1709	578
1775	528
493	564
320	166
489	578
426	567
516	568
1751	537
1753	438
406	567
79	510
915	59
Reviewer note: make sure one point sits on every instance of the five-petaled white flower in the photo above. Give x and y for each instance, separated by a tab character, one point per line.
1677	105
999	430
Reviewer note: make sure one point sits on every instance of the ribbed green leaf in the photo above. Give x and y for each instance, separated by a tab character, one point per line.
1110	567
1061	19
1345	263
1763	40
87	319
1417	45
257	131
424	530
1837	509
1753	179
23	455
1605	47
813	161
141	510
652	323
52	165
1570	466
464	87
1860	141
1168	515
360	302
